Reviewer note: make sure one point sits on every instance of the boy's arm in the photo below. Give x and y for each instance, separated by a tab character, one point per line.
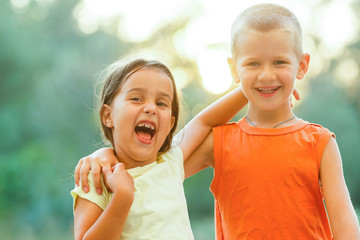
220	112
201	158
91	222
342	216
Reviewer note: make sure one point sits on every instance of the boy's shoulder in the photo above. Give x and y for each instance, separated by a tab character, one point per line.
316	126
318	129
229	124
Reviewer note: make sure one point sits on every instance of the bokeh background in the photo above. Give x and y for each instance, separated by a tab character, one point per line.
51	52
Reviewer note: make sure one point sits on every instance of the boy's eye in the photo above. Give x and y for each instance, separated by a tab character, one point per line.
254	64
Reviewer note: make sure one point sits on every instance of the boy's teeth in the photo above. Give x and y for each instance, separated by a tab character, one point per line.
267	90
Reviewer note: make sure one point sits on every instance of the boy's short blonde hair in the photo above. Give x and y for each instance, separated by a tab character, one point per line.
266	18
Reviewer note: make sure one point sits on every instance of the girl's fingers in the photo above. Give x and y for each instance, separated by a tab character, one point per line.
296	94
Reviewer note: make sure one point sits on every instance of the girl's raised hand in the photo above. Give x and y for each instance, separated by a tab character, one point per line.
296	96
119	180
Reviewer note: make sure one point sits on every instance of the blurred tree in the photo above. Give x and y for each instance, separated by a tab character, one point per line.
47	73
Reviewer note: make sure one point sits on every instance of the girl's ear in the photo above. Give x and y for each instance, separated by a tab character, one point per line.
233	71
303	66
105	113
172	121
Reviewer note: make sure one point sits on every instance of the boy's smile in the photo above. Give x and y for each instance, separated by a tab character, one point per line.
267	91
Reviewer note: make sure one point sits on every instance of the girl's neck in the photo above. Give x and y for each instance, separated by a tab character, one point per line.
271	119
133	162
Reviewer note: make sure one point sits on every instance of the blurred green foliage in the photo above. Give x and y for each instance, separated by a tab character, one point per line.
47	73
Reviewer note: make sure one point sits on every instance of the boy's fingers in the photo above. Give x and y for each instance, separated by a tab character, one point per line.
84	172
96	173
77	172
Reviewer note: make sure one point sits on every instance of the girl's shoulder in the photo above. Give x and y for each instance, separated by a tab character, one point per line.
174	159
174	154
100	200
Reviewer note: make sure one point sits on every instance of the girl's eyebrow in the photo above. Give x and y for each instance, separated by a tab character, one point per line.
162	94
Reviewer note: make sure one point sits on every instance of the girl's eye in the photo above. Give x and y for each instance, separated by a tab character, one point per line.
279	62
136	99
161	104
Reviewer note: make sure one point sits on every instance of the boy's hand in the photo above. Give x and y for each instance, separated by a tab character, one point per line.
119	180
103	157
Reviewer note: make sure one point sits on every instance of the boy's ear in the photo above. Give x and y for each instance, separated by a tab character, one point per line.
105	113
303	66
233	71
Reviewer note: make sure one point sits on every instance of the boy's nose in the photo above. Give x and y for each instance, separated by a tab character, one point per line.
266	74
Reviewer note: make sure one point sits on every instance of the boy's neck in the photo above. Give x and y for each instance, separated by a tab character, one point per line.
271	119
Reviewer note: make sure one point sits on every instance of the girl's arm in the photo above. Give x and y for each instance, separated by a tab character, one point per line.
342	216
220	112
91	222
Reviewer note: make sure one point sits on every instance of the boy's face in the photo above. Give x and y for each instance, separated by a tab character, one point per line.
267	66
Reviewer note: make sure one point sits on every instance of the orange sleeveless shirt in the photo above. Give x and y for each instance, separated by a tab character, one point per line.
266	182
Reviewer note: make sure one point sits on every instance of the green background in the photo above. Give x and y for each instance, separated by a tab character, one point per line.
48	70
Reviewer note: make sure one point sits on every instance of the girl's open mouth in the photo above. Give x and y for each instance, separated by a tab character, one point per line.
145	132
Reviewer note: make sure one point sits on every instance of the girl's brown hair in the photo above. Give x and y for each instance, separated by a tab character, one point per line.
114	78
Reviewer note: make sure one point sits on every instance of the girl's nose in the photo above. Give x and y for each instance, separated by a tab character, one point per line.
150	108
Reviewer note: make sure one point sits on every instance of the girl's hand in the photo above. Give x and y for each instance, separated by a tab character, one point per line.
103	157
119	180
296	95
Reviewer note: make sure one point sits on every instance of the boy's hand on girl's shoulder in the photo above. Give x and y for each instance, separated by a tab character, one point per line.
119	180
103	157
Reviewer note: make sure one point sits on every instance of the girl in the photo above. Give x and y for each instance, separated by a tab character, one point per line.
139	112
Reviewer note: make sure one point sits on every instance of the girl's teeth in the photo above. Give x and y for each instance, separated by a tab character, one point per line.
146	125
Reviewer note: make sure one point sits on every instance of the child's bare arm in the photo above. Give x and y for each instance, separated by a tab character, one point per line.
201	158
91	222
342	216
220	112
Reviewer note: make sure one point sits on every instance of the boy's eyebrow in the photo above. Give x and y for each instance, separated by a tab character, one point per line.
163	94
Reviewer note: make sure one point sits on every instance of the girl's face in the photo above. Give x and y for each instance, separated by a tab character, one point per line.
140	116
267	66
